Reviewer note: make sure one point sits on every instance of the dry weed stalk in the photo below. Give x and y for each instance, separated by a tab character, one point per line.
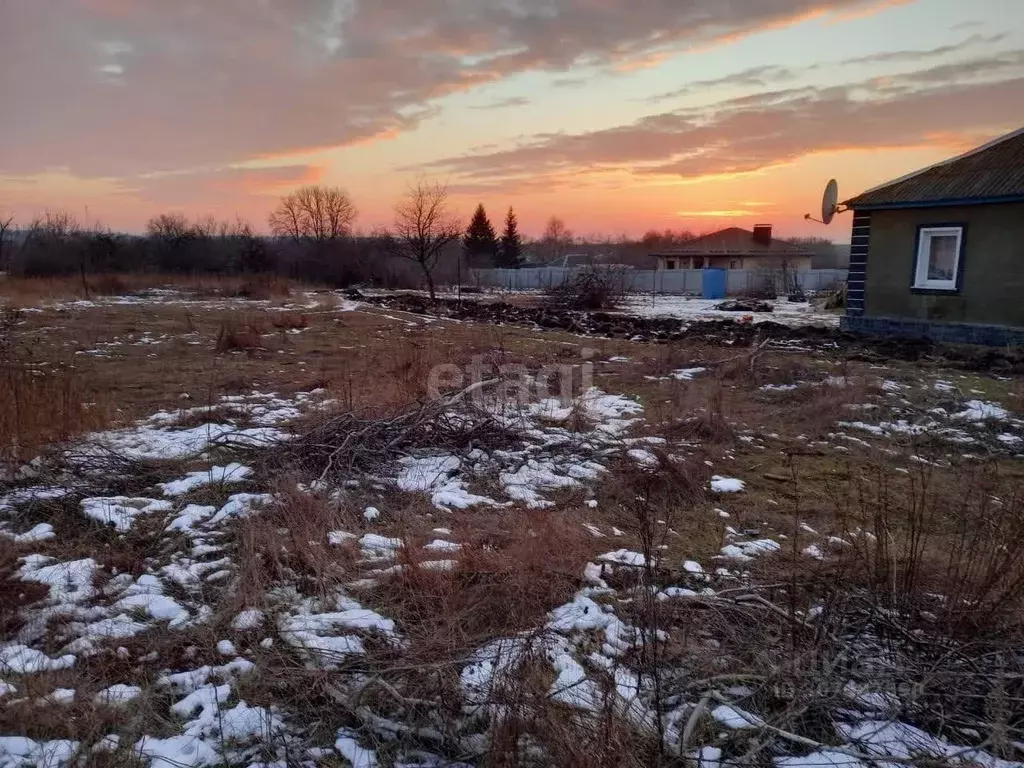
957	532
239	337
38	405
289	320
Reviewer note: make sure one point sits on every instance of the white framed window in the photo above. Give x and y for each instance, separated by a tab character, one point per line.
670	264
938	258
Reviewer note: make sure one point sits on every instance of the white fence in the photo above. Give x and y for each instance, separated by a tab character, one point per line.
681	281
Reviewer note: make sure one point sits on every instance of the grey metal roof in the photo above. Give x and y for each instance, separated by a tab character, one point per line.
988	173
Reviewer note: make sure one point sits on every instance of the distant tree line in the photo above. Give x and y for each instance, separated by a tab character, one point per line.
313	239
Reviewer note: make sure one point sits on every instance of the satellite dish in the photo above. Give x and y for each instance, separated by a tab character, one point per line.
830	202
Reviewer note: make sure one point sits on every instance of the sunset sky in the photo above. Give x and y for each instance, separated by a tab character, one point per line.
617	115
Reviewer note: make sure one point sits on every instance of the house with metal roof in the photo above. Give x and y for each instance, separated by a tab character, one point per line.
736	248
939	253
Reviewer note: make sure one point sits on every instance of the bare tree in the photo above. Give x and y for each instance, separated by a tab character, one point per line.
556	230
6	223
667	239
52	244
424	227
316	213
287	219
208	227
169	226
557	239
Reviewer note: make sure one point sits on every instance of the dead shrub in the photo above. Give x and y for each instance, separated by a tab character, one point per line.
746	366
506	580
590	288
816	409
289	320
288	541
710	425
263	287
239	337
109	285
958	534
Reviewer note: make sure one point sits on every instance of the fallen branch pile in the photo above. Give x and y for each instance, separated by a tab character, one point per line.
348	445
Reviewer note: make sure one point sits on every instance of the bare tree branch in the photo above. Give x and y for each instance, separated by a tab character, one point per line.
424	227
315	213
6	223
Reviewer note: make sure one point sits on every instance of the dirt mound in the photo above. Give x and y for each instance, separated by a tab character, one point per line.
665	329
745	305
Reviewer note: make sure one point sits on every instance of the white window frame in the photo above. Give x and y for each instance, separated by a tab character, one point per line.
924	253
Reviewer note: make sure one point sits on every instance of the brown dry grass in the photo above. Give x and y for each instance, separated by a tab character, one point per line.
366	359
22	292
14	594
240	336
39	408
41	401
509	575
516	566
290	540
32	291
289	320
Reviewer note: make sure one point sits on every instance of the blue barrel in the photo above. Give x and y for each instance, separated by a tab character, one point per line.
714	283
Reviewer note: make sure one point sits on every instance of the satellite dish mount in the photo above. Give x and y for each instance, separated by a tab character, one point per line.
829	204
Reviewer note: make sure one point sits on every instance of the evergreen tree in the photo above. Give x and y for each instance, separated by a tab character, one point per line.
511	256
480	243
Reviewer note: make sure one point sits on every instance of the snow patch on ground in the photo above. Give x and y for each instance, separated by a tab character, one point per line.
232	473
685	308
122	511
721	484
153	443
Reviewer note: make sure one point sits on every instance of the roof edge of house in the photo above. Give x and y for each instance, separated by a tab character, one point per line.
851	203
942	203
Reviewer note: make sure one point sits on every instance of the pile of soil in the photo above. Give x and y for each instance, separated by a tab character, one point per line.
853	346
745	305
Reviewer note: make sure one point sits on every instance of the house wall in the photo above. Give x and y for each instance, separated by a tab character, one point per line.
992	266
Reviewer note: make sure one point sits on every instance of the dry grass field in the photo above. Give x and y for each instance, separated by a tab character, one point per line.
256	524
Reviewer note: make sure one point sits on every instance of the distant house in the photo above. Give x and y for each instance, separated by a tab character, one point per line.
736	248
940	253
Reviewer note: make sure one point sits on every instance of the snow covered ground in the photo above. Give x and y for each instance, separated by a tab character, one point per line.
685	308
174	662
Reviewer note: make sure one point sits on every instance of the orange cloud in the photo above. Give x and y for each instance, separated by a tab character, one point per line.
722	214
219	83
751	134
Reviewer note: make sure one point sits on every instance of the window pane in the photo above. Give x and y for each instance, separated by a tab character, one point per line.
942	257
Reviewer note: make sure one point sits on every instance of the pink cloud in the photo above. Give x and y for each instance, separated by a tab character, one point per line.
116	88
185	189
